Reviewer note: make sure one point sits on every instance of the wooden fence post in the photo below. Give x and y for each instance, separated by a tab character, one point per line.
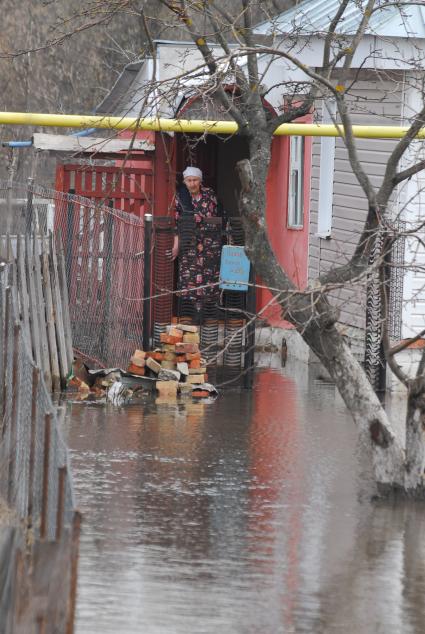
63	285
44	347
22	287
34	409
62	473
15	395
6	352
60	322
33	313
50	318
46	459
75	549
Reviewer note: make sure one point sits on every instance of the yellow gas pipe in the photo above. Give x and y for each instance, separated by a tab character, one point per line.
194	126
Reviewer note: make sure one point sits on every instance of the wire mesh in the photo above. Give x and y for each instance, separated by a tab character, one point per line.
104	260
103	255
103	250
29	465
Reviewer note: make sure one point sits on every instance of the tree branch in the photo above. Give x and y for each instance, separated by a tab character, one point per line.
408	173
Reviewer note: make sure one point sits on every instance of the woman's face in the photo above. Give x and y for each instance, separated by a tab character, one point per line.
193	183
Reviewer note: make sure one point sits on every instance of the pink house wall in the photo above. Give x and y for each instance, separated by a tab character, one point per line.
289	245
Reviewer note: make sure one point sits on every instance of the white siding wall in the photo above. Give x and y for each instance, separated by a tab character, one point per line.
412	209
376	103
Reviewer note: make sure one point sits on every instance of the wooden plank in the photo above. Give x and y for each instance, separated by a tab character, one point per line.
50	317
23	288
5	309
44	345
58	257
88	144
64	365
33	313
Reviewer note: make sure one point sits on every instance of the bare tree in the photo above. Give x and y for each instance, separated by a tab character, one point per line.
224	34
311	312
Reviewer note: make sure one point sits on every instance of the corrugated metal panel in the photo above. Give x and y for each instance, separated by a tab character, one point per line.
313	16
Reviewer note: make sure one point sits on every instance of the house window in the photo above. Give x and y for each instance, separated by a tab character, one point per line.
296	183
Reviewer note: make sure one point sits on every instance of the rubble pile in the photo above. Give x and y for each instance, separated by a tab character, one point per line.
177	365
175	368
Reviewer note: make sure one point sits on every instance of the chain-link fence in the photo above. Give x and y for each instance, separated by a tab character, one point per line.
122	282
103	257
35	484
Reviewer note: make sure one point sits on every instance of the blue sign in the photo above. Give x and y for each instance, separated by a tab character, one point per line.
234	269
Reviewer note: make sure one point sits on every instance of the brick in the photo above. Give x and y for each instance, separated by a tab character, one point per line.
191	337
192	356
176	332
170	356
187	328
187	347
185	388
140	362
77	384
164	338
183	368
197	370
153	365
136	369
200	393
195	378
168	365
139	354
167	389
196	363
169	347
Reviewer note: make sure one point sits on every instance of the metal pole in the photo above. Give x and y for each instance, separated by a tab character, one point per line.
159	124
147	290
68	239
250	332
108	270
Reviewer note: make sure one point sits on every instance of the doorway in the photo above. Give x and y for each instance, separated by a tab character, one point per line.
217	158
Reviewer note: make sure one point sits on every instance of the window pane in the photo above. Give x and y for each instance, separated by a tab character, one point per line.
296	182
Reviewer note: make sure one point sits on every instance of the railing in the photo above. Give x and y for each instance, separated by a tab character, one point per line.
39	537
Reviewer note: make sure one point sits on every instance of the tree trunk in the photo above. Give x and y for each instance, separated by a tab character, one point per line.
415	435
375	430
315	320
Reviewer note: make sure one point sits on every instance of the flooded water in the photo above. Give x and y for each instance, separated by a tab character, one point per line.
239	516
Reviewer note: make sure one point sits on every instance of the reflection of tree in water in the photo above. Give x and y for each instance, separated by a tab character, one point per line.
380	587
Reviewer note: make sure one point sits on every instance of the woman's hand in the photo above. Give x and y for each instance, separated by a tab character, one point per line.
175	249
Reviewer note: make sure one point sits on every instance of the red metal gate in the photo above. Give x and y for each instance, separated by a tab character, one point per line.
103	234
129	189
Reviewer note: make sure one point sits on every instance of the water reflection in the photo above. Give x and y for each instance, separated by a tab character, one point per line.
238	516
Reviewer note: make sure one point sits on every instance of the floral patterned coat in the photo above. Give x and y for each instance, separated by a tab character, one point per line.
200	246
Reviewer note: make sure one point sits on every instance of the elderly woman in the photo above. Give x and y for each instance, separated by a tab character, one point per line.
199	256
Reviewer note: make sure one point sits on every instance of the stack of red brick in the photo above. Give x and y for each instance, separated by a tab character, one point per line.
177	364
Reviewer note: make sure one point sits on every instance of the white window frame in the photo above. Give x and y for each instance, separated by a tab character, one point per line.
296	183
326	174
